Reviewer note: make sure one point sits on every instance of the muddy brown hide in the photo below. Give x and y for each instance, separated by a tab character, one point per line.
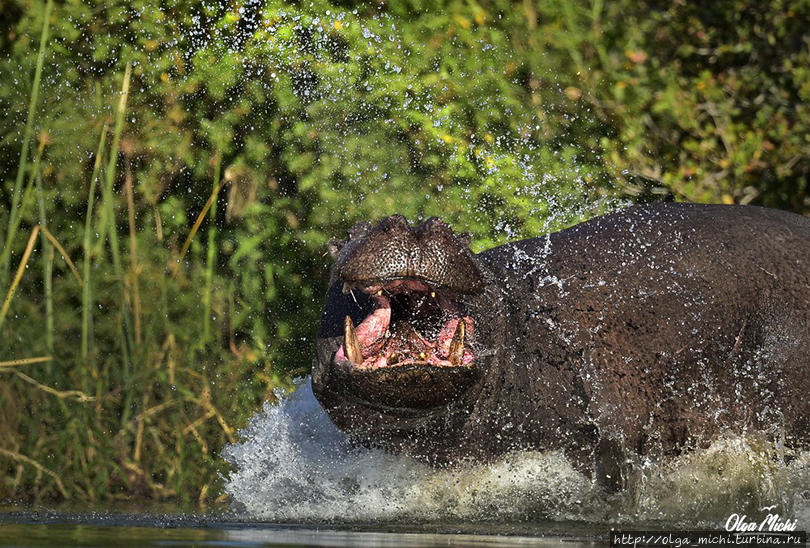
645	332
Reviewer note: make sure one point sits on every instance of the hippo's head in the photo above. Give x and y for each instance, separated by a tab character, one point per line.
405	333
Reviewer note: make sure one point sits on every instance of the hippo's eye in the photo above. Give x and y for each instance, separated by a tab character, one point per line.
412	324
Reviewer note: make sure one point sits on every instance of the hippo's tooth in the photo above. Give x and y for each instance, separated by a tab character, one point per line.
346	288
350	343
457	345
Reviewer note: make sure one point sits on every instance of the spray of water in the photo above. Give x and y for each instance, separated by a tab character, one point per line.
292	464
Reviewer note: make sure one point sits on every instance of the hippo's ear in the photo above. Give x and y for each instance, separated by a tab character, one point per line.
334	246
465	238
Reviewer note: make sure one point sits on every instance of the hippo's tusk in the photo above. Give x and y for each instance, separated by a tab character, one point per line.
457	344
350	343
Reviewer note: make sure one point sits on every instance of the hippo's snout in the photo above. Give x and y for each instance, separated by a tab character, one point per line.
429	252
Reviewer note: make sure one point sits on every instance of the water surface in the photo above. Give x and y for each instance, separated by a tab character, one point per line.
105	529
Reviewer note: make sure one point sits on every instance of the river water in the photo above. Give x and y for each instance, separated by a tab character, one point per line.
46	529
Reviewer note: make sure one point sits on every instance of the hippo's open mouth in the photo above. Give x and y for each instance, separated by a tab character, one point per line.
413	324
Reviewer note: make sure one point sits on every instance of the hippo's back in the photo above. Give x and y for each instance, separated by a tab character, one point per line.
681	321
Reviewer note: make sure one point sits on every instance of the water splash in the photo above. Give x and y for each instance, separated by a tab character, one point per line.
294	465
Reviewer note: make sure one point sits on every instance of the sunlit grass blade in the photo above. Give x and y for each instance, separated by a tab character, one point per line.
18	276
87	297
110	175
40	469
198	222
52	239
25	361
61	394
29	125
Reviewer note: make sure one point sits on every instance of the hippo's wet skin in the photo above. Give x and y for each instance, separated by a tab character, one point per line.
645	332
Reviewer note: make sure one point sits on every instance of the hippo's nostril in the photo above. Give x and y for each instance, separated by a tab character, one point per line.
429	252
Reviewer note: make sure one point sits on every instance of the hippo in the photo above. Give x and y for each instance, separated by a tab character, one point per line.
629	338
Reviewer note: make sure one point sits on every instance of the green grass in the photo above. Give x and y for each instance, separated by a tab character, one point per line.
152	427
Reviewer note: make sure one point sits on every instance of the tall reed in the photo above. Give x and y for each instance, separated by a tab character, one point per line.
87	294
29	127
124	329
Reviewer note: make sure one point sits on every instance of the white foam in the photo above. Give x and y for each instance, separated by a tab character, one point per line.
293	465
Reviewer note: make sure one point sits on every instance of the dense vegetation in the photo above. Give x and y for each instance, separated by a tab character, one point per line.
292	121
